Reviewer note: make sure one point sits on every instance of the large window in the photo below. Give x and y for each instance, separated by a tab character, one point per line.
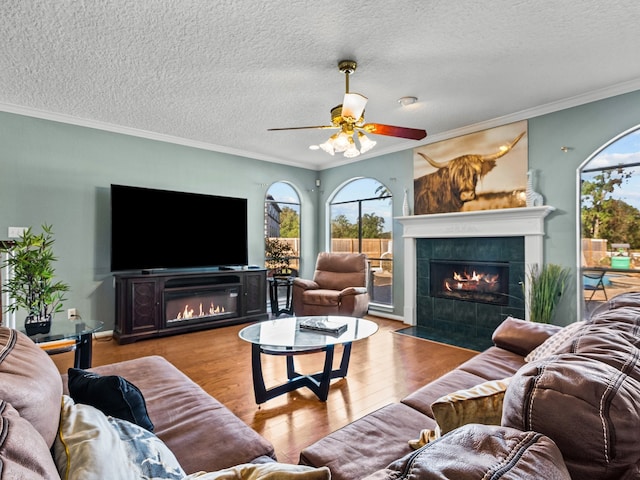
361	221
282	229
610	218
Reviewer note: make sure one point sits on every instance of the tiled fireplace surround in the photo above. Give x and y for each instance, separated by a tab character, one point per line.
512	235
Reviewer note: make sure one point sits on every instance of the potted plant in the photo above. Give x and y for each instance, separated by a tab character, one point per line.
278	256
32	286
543	289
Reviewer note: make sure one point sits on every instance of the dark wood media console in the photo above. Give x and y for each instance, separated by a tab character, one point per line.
146	302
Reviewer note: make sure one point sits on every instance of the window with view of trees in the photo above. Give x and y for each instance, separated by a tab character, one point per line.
610	218
610	201
361	222
282	229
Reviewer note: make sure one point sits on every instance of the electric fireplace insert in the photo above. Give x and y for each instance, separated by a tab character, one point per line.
197	305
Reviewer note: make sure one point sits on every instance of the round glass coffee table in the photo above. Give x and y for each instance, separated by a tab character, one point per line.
284	336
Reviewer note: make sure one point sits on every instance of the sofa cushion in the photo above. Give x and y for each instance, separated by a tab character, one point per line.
322	297
422	398
481	452
628	299
367	444
23	452
521	336
93	446
493	363
185	415
336	271
111	394
586	400
30	382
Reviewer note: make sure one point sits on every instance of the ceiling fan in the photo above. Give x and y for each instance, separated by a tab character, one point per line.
349	119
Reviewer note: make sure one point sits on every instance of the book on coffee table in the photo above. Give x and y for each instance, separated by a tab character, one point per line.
334	327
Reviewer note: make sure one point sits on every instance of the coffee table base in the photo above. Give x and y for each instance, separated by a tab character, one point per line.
318	383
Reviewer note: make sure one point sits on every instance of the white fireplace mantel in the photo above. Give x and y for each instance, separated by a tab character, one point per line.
527	222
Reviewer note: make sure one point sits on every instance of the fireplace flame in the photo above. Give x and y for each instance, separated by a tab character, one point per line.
473	281
188	312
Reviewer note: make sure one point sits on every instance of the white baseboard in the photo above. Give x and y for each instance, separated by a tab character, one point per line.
390	316
103	334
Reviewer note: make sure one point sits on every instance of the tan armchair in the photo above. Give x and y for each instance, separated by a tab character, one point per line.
339	287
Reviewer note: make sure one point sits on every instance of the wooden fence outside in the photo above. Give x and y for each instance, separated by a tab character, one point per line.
379	253
374	248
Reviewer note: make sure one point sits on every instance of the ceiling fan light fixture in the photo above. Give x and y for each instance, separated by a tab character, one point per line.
328	146
352	151
341	142
366	143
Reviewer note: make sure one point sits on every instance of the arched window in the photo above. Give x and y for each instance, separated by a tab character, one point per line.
282	229
361	221
610	219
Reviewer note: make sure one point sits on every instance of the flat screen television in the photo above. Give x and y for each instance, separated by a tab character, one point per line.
162	229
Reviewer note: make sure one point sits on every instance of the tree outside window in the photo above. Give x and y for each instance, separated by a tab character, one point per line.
282	229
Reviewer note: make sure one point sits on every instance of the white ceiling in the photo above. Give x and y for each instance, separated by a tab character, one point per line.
218	74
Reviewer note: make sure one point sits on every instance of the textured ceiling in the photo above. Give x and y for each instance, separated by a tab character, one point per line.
218	74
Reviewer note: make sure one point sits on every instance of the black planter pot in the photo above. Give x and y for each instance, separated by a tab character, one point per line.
33	325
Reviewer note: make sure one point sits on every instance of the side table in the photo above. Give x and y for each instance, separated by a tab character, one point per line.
274	284
66	336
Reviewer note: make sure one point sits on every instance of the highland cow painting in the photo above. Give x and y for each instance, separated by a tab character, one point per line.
485	170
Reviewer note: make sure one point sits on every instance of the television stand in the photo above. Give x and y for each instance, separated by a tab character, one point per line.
163	303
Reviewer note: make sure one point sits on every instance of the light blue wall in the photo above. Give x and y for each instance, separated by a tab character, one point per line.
583	130
60	174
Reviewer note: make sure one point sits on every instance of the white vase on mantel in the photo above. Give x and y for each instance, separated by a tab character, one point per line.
405	204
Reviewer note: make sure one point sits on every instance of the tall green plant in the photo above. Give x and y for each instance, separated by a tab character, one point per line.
543	290
32	286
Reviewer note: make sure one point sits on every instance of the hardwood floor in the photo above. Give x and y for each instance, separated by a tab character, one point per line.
383	369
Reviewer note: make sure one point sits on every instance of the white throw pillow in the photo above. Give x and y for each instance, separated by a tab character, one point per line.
93	446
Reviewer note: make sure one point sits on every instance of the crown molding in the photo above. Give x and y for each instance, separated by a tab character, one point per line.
577	100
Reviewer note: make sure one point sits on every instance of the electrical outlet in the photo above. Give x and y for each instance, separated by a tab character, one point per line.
72	313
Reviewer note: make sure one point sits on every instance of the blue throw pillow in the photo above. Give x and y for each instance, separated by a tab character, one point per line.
111	394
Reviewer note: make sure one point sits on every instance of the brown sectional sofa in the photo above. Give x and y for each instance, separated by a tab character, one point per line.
203	434
372	442
571	409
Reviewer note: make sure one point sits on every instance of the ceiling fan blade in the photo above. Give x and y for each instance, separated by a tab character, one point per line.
353	105
392	131
323	127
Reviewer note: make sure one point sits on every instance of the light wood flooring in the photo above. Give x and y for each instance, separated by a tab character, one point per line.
383	369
